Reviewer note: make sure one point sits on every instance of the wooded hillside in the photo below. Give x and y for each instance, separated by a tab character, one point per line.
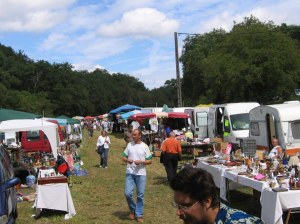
255	61
56	89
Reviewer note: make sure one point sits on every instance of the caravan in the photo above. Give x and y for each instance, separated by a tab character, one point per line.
229	121
278	120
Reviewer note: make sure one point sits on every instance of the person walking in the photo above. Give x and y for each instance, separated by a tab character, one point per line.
103	141
128	134
90	129
171	149
137	155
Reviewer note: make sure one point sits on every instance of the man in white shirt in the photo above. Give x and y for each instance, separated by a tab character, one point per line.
137	154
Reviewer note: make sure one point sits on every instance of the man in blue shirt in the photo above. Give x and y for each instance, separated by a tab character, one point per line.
197	201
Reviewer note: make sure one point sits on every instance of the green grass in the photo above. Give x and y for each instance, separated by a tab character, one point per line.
100	197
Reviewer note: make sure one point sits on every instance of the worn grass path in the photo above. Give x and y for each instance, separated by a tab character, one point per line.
100	197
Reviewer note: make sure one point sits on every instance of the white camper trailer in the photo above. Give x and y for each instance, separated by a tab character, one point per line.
229	121
279	120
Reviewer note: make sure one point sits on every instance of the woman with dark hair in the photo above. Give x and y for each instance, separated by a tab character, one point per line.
197	201
103	141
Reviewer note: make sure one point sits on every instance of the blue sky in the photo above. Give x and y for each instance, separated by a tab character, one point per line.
135	37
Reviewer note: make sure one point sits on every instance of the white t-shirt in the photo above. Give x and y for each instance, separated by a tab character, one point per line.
154	124
137	152
101	140
273	152
135	125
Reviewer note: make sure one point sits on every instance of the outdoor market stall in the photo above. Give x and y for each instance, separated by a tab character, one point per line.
50	129
154	123
54	193
115	115
230	175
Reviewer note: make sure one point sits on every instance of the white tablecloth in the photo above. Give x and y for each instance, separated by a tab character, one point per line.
217	172
274	203
246	181
55	196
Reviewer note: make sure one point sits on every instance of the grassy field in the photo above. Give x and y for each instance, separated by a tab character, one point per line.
100	196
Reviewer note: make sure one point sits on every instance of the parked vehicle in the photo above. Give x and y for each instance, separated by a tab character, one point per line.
199	120
9	138
230	121
8	199
279	120
151	109
36	140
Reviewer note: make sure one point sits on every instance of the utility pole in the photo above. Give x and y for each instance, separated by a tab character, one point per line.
179	96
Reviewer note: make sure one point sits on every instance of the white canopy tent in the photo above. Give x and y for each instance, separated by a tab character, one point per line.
50	129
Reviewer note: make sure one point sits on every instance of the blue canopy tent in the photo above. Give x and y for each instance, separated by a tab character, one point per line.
124	108
126	115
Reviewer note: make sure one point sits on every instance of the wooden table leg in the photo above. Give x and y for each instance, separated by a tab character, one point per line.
288	216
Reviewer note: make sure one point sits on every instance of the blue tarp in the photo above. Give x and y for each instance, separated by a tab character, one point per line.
124	108
61	122
127	115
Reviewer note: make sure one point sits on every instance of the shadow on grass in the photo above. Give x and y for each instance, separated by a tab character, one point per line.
50	212
121	215
160	181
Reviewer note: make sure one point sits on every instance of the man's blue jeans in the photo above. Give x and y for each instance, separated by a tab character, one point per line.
140	182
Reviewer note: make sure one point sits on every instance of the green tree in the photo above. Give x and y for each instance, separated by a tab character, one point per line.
255	61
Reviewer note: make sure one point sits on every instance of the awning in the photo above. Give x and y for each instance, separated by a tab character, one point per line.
6	114
125	116
124	108
50	129
89	118
70	120
159	115
178	115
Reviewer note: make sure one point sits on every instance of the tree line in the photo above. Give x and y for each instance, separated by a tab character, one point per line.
55	89
255	61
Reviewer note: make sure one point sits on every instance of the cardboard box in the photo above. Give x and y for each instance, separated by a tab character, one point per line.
224	145
157	153
52	180
218	140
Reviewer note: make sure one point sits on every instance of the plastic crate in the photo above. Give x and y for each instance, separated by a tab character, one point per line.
248	146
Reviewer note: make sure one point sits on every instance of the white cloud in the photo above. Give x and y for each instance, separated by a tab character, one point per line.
141	21
33	15
86	66
281	12
103	48
110	33
54	41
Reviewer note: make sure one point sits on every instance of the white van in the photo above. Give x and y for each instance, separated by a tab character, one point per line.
230	121
199	121
279	120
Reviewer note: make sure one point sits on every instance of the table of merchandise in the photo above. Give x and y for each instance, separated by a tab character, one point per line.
218	172
55	196
272	203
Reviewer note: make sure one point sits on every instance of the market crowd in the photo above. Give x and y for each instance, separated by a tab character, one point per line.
196	197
